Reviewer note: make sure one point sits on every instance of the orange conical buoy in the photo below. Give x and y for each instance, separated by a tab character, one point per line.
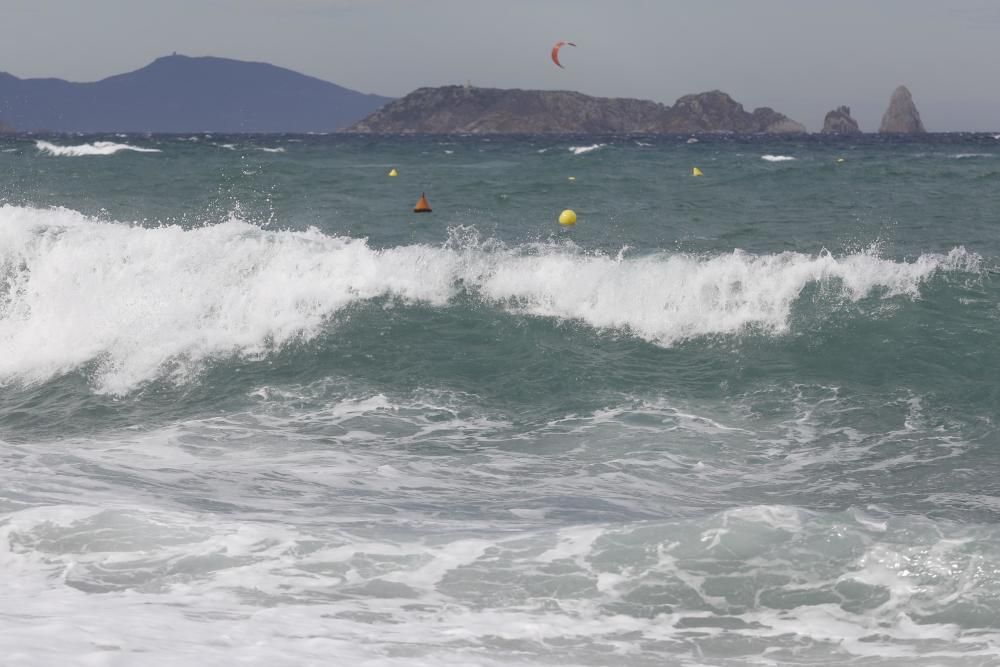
422	205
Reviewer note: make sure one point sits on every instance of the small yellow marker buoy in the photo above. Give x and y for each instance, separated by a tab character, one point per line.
567	218
422	205
393	172
696	172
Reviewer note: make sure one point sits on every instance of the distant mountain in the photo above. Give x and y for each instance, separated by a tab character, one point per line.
465	109
182	94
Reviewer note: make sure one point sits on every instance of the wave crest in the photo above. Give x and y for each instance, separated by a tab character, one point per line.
139	301
580	150
96	148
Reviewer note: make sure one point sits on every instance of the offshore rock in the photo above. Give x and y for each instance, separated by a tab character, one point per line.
470	110
839	121
715	111
902	116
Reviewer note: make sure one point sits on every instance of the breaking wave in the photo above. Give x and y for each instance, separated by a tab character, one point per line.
777	158
579	150
95	148
141	302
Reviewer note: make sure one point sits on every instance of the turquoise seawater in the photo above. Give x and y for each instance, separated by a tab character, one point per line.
253	410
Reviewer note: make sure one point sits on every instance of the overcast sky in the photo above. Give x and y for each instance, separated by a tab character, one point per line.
802	57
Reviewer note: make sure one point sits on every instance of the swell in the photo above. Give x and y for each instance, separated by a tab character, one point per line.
134	303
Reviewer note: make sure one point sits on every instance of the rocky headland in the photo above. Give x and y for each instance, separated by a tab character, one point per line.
902	116
471	110
839	121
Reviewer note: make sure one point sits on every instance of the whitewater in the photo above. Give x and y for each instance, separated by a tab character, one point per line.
168	294
89	149
254	411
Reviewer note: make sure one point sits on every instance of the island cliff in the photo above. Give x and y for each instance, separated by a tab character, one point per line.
839	121
902	116
465	109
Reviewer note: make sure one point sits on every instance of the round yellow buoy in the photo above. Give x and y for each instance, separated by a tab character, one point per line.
567	218
393	172
696	172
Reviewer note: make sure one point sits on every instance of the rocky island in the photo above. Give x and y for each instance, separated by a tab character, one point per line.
839	121
472	110
902	116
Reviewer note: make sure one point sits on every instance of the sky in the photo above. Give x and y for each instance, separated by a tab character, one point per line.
801	57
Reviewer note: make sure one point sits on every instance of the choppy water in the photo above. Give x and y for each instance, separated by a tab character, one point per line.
254	411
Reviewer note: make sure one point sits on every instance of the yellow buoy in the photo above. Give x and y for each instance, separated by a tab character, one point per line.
567	218
393	172
696	172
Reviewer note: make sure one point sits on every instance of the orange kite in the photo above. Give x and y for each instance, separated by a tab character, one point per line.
555	52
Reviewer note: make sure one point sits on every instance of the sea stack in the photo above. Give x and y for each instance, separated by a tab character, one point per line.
902	116
839	121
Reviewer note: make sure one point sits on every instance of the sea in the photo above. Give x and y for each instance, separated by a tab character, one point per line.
255	411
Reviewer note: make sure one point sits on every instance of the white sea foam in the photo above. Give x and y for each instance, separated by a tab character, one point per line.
140	302
271	150
580	150
777	158
96	148
968	156
175	587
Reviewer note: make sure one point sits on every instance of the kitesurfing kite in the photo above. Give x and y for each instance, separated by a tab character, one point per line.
555	52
